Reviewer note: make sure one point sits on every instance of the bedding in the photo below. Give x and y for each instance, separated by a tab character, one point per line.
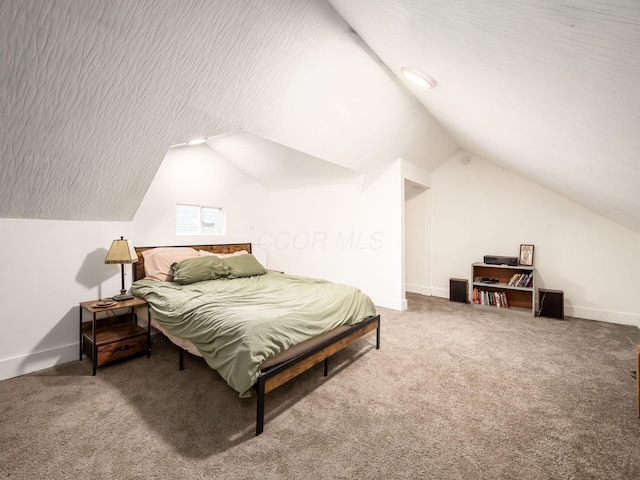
243	266
192	270
288	354
158	261
237	323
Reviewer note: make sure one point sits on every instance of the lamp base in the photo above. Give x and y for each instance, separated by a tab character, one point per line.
121	297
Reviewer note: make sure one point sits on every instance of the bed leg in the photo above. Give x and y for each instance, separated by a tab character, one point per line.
378	337
326	366
181	359
260	407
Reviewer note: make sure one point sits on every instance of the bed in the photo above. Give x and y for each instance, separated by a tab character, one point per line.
638	378
258	329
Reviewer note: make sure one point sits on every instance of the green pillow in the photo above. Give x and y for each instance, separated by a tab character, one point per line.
192	270
243	266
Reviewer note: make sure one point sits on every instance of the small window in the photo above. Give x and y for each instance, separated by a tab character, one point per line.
199	220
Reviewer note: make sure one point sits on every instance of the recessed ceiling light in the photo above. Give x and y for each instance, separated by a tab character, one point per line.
418	77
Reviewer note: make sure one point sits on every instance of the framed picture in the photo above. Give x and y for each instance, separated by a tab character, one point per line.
526	255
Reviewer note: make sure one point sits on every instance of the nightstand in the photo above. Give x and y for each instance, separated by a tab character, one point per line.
113	333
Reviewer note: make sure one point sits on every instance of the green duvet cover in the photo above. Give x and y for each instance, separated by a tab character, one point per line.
238	323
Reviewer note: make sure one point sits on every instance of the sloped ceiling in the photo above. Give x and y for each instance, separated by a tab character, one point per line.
549	90
277	167
93	93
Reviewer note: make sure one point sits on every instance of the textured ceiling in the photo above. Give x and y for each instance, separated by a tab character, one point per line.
546	89
94	92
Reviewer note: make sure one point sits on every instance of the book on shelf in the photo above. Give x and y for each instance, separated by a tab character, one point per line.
492	298
521	280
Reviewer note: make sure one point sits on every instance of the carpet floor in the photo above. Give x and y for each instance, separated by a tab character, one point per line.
455	392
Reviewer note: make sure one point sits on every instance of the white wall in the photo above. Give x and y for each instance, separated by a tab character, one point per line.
343	235
416	274
196	175
417	239
48	268
481	209
350	236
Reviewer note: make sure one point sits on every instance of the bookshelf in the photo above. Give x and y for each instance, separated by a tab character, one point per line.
514	288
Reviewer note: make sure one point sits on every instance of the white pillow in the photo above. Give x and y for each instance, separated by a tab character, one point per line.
158	261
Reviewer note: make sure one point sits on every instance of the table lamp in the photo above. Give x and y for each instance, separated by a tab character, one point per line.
121	252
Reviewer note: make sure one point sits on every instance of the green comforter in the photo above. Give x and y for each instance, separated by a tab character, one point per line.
238	323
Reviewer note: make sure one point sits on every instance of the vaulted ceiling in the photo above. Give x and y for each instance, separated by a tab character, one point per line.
549	90
93	93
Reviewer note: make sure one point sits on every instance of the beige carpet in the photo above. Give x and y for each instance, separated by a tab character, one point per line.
455	392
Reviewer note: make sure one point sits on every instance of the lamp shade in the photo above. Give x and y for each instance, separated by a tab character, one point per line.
121	251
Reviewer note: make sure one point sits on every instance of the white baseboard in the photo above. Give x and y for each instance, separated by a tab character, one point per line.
621	318
391	303
440	292
15	367
414	288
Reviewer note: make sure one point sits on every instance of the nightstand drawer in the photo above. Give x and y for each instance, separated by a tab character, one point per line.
116	335
121	349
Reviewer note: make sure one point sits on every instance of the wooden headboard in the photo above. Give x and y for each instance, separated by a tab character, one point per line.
138	269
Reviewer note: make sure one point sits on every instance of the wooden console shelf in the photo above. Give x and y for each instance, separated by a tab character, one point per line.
519	298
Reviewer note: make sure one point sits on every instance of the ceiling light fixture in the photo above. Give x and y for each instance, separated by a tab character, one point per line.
196	141
418	77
